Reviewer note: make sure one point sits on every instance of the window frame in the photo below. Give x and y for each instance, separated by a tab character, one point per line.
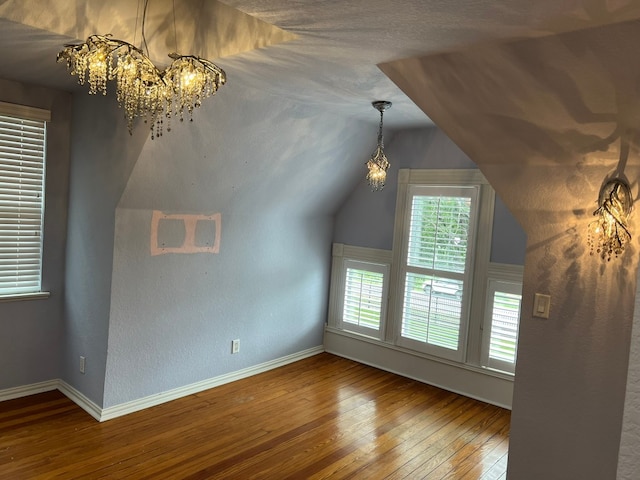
27	113
381	269
483	272
479	255
507	279
343	256
472	192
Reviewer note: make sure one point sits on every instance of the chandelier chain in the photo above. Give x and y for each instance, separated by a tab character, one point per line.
175	30
135	29
144	21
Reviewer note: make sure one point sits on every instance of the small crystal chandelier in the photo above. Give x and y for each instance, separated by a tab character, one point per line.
378	163
142	89
609	232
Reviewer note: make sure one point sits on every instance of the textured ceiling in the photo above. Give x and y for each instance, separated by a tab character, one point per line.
323	52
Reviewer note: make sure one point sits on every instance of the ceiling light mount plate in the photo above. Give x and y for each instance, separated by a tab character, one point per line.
381	105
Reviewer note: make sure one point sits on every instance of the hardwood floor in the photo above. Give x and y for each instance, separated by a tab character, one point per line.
323	417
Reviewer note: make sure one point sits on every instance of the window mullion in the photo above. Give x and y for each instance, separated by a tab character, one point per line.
481	260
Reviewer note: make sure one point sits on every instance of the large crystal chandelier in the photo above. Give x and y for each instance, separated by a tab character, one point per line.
378	163
142	89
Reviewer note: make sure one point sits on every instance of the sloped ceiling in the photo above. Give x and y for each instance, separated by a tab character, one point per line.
212	28
567	101
321	54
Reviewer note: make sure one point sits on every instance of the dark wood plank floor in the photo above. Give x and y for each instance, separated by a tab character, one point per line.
323	417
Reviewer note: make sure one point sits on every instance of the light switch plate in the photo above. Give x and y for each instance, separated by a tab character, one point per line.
541	305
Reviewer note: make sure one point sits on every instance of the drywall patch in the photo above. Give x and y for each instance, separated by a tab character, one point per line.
185	233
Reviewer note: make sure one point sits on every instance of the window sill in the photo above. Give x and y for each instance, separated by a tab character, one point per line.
465	366
17	297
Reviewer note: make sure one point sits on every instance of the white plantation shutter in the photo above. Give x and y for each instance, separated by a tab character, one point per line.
439	228
22	166
365	297
438	233
502	320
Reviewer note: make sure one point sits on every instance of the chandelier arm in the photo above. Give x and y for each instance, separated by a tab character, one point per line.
113	43
609	233
207	64
616	217
620	194
143	89
117	44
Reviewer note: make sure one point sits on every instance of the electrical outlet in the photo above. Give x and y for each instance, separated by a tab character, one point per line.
82	363
235	345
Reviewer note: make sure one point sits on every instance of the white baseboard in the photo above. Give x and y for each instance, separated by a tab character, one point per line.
26	390
486	387
156	399
80	399
103	414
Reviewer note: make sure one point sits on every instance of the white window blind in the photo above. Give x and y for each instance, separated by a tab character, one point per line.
438	229
22	168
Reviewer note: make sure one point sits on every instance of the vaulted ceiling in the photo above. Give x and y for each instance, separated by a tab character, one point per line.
318	52
322	56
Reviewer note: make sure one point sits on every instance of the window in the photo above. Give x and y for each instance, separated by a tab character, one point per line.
436	266
447	301
364	296
502	319
22	166
441	249
359	290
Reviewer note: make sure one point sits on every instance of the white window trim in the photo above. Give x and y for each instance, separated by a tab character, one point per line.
16	297
24	111
479	258
509	278
341	255
385	353
472	192
375	268
37	114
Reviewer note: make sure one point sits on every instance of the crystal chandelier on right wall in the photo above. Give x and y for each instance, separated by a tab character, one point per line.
378	163
609	232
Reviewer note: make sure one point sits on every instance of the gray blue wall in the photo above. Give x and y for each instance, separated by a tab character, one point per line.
31	330
366	219
103	155
147	324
